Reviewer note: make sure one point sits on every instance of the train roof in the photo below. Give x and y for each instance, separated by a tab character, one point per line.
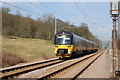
67	32
85	39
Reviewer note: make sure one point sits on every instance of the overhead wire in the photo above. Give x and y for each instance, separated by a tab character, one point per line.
84	11
22	9
52	10
45	10
37	7
91	22
84	17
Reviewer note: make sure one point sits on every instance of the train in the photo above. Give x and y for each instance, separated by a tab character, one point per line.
67	44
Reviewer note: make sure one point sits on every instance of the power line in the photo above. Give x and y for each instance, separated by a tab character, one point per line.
45	10
52	10
37	7
47	7
21	8
80	10
91	22
85	12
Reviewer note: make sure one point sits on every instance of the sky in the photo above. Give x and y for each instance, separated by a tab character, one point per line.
95	14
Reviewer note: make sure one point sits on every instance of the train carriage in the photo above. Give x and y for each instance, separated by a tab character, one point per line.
67	44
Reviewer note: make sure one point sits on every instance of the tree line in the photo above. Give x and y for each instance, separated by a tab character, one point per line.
42	27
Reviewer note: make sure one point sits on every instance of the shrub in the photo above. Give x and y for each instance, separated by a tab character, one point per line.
10	59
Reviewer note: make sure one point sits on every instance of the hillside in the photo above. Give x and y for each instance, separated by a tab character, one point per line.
42	28
20	50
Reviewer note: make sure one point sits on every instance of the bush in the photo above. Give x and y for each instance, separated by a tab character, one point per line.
10	59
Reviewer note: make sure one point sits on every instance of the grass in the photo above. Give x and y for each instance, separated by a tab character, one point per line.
10	59
28	49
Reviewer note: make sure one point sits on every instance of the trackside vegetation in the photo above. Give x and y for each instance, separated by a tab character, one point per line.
20	50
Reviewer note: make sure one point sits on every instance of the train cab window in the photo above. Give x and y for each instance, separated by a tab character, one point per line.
63	39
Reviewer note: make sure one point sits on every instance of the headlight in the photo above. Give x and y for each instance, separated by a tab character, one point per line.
56	46
69	46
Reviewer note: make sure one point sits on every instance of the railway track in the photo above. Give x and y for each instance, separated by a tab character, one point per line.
53	68
61	71
17	70
75	71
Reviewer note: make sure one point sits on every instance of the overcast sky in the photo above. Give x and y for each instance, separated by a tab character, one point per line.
95	14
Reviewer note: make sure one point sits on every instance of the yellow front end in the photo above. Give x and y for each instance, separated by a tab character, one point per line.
63	50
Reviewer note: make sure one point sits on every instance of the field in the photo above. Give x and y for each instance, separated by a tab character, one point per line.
25	49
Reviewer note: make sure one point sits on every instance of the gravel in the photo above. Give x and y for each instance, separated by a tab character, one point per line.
99	69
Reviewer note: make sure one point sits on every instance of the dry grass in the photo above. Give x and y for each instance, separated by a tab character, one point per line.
28	49
10	59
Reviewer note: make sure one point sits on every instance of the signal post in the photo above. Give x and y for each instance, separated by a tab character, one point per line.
114	15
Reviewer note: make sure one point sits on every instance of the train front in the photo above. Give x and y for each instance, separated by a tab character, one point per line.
63	44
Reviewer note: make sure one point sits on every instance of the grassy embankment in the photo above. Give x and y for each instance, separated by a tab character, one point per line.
20	50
